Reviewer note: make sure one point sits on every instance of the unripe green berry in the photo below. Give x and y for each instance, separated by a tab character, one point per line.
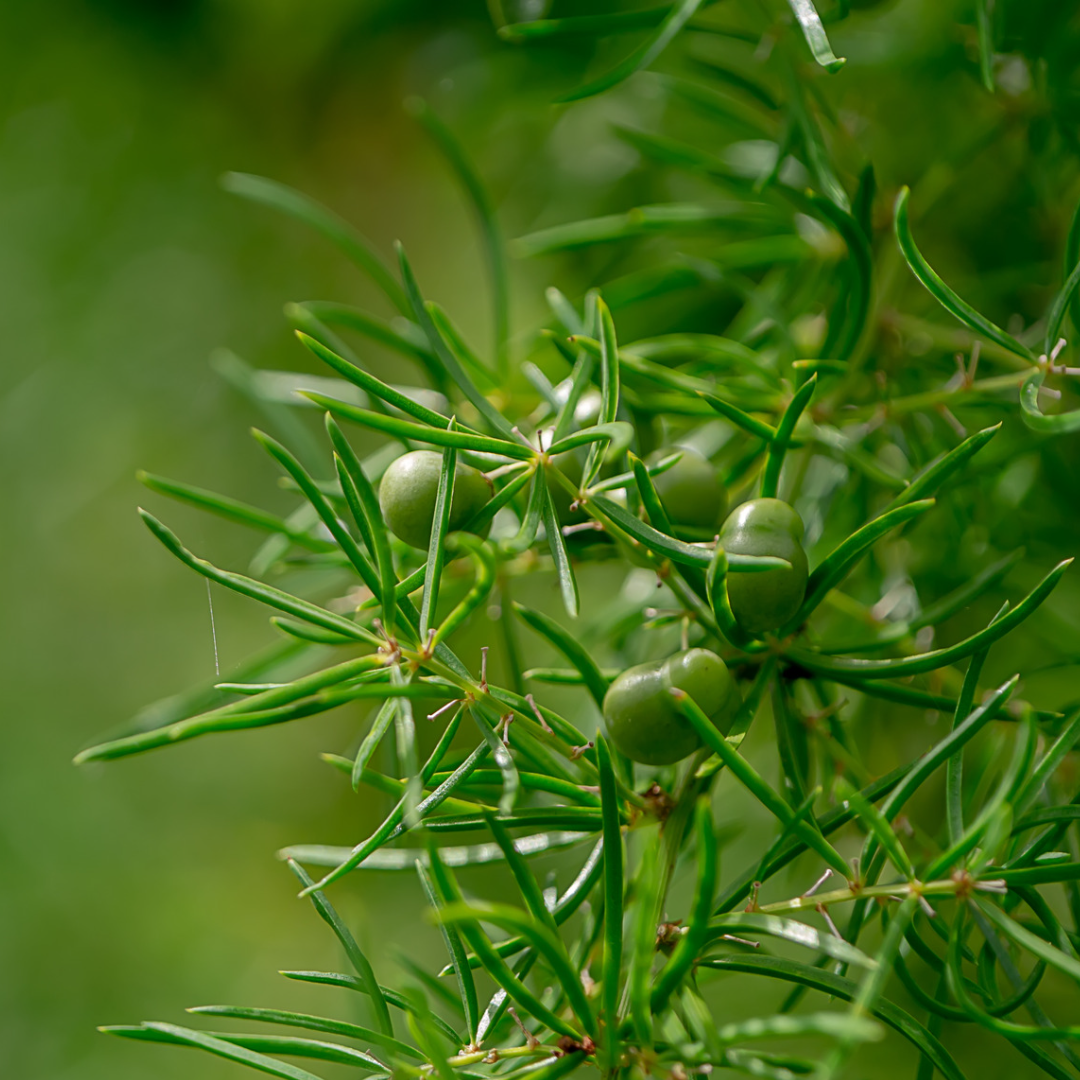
410	489
691	490
641	716
767	600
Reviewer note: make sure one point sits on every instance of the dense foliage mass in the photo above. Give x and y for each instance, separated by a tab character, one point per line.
800	489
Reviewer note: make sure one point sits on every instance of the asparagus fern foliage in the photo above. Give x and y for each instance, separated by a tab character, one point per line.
616	970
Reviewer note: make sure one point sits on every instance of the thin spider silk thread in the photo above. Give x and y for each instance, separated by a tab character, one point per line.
213	629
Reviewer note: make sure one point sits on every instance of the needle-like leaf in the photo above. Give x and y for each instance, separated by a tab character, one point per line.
837	986
938	658
942	293
494	246
816	38
755	783
778	447
697	924
643	55
613	895
233	1049
361	964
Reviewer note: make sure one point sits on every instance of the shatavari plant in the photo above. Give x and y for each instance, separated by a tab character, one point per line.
718	441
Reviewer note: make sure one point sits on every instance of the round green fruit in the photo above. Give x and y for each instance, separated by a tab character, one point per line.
691	490
765	601
641	716
410	488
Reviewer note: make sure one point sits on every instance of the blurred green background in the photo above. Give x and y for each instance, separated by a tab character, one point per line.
129	891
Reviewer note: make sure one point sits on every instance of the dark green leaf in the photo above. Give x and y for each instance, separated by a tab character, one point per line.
1035	418
311	1023
839	562
643	55
231	510
392	425
569	646
930	479
613	894
445	356
361	964
778	447
836	986
553	532
942	293
697	924
456	950
214	1044
938	658
755	783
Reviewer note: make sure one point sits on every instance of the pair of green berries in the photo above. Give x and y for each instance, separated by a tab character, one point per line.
640	713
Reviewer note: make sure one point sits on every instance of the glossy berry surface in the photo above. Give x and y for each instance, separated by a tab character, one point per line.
691	490
642	718
765	601
410	488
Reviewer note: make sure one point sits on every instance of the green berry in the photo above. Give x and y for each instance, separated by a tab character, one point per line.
410	488
642	718
765	601
691	490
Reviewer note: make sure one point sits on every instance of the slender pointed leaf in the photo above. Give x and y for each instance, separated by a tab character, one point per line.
456	950
697	924
816	38
569	646
778	447
436	550
311	1023
494	246
565	572
752	780
942	293
214	1044
491	961
361	964
392	425
938	658
930	479
837	986
231	510
288	201
260	1044
642	56
840	561
613	893
445	356
373	386
1067	965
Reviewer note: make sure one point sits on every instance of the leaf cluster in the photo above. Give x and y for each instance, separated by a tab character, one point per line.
965	916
